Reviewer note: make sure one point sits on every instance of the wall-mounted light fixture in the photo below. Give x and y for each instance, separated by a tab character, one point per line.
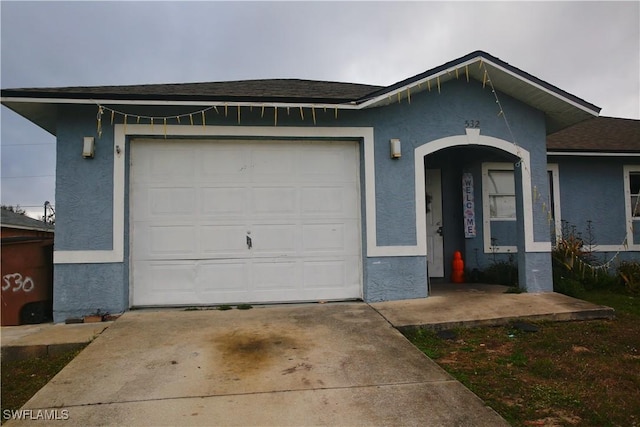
394	145
89	147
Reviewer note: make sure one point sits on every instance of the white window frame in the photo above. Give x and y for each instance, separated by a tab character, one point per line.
630	220
486	208
555	194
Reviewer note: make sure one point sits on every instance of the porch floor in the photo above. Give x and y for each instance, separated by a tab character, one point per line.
452	305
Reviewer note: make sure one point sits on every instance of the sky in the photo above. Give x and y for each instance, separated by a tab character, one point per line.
589	49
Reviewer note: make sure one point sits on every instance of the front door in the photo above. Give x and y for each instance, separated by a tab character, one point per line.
435	241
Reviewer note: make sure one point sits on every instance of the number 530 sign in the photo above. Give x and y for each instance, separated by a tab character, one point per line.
16	282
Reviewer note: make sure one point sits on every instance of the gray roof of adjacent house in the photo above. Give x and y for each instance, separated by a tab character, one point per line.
15	220
599	134
561	108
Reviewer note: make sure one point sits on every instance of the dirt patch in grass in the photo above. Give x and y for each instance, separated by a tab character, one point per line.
21	379
570	373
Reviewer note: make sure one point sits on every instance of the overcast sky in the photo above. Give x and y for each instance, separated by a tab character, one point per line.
589	49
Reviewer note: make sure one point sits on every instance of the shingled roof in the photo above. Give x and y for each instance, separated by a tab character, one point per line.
599	134
561	108
266	90
11	219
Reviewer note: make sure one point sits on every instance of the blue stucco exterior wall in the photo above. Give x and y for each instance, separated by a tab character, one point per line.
393	278
84	220
432	116
82	289
599	203
84	188
600	200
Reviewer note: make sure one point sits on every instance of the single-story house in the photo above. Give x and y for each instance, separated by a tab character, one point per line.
295	190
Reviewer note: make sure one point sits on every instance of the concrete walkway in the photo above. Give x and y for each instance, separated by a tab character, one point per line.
307	364
21	342
471	305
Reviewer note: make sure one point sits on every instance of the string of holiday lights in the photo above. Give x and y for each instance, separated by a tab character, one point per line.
537	196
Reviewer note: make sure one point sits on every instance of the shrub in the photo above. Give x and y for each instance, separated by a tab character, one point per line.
575	267
567	286
629	273
502	273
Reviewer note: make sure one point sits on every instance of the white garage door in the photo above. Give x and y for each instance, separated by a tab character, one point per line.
244	221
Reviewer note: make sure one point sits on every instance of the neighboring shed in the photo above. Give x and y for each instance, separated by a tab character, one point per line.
26	263
17	225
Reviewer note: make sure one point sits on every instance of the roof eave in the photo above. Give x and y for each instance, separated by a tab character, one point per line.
593	153
561	109
504	78
43	111
43	229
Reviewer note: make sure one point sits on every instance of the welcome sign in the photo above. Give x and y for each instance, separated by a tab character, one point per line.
468	205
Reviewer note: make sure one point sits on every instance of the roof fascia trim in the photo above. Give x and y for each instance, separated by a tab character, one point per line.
547	90
473	60
175	103
593	153
29	228
419	82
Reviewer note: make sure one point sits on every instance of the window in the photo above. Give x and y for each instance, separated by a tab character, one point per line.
553	203
632	206
499	208
634	187
502	194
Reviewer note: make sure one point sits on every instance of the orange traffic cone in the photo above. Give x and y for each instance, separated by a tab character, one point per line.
457	275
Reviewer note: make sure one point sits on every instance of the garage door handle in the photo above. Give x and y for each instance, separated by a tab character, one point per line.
249	243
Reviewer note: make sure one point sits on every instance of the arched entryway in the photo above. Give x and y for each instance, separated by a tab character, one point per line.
440	166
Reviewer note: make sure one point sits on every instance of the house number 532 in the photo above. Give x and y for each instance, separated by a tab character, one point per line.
472	123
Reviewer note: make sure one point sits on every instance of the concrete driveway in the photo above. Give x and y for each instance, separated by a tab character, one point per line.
316	364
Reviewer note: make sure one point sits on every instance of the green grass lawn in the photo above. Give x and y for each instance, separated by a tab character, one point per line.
583	373
21	379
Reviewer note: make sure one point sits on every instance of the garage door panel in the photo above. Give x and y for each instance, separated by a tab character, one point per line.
159	283
324	274
327	237
273	163
171	164
330	163
227	164
222	276
223	240
274	201
322	200
276	275
172	277
323	238
329	202
298	202
159	242
274	239
172	201
224	201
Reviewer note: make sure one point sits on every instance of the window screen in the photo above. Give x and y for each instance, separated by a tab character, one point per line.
634	185
502	198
